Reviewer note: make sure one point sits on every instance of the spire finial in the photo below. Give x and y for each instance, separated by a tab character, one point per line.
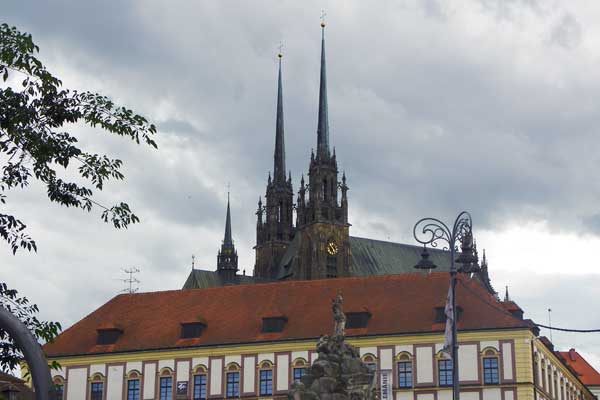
227	240
323	123
193	261
279	157
280	54
506	296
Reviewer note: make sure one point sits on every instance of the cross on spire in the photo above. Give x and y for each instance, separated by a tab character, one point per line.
323	14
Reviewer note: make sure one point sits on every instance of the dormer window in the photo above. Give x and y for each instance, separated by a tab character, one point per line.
355	320
191	330
273	324
440	315
108	336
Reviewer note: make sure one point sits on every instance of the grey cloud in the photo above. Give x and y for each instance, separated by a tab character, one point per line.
567	32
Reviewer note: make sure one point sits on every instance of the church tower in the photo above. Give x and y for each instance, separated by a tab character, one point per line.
227	259
274	225
322	219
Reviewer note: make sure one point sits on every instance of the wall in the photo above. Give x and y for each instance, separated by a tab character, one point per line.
513	349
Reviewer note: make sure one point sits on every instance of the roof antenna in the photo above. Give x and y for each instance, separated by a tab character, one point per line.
550	323
131	280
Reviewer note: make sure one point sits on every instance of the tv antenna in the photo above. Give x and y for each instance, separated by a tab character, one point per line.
131	280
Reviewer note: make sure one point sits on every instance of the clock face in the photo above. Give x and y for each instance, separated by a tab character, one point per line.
332	248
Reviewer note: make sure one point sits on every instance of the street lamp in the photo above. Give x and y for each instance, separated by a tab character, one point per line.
432	231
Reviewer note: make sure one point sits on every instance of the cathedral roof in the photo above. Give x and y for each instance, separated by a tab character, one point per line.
370	257
200	278
233	314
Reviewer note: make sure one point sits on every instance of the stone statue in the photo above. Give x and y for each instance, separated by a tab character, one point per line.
339	318
338	372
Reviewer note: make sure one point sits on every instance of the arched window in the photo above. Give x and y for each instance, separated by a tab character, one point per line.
490	362
370	361
325	189
97	387
133	385
59	385
299	368
232	380
543	373
199	381
404	366
165	384
265	379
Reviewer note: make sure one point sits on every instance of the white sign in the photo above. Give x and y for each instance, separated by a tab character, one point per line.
386	384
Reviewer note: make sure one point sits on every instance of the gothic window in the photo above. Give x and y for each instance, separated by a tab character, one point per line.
445	372
404	366
324	189
199	380
266	379
232	379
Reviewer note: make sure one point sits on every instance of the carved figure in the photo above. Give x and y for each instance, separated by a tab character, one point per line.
339	318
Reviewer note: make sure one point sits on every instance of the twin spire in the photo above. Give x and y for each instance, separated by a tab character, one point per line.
228	240
279	167
322	124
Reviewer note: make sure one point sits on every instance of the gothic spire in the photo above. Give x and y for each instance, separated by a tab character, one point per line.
227	240
323	124
279	159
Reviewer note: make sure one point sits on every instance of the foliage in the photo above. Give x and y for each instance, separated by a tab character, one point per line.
35	114
34	142
10	355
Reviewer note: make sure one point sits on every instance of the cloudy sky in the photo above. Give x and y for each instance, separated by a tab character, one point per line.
435	106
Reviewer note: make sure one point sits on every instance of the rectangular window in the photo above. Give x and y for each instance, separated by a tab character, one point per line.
445	372
133	389
233	384
405	374
490	371
199	387
299	373
97	390
266	382
166	388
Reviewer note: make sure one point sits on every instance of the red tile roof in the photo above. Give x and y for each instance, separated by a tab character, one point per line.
586	373
233	314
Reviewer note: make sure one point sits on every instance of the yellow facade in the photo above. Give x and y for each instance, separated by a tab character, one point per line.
515	347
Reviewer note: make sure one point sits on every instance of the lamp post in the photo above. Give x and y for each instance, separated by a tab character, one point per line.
432	231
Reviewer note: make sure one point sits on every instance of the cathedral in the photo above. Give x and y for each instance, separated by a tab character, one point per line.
316	244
